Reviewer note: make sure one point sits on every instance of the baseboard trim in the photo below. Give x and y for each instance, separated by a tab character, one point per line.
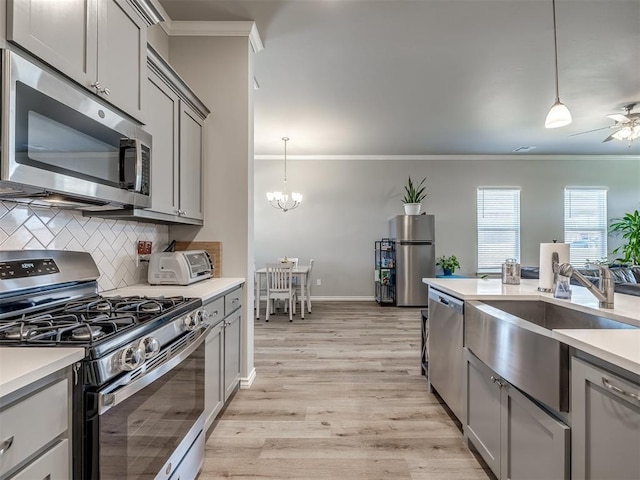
343	299
246	382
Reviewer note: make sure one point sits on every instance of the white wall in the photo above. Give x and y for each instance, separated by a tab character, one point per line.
220	72
347	205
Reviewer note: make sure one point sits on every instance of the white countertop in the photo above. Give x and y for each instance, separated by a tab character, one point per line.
206	289
20	366
626	307
619	347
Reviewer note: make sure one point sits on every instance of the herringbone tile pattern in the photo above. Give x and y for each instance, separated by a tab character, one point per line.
112	243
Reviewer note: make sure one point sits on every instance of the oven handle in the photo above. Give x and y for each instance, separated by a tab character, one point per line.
109	400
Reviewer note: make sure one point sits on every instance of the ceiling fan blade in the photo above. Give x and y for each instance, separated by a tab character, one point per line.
609	138
619	118
589	131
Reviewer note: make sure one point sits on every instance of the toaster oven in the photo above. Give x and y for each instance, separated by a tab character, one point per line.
180	268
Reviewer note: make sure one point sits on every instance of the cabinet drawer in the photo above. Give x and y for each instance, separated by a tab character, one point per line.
233	301
215	309
47	415
53	465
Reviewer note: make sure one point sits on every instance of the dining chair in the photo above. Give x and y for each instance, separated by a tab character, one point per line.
259	285
280	287
307	287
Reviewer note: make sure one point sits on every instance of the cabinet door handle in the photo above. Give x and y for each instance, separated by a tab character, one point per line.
618	390
105	91
6	445
215	313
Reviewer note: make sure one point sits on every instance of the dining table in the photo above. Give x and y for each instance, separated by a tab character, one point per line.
300	272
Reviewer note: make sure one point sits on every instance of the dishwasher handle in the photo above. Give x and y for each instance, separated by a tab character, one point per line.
446	300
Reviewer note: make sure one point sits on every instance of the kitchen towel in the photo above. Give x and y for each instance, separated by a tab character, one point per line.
546	262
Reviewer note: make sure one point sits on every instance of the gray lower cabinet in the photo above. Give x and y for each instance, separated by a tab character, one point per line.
232	354
484	405
222	352
214	361
42	451
511	432
605	418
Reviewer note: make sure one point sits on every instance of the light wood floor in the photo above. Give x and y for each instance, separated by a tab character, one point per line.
338	395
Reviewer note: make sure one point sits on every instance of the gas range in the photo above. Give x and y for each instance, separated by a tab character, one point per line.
143	364
118	333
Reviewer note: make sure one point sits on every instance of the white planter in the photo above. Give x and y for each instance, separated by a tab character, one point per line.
412	208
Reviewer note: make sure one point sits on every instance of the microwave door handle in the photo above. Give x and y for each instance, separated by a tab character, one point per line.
108	400
138	146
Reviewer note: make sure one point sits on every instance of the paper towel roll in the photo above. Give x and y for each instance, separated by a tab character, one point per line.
546	262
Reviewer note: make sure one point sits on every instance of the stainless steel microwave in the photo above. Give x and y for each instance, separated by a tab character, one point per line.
62	146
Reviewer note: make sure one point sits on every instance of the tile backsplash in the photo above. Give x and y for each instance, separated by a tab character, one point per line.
112	243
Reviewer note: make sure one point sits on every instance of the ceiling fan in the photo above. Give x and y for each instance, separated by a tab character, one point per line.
627	126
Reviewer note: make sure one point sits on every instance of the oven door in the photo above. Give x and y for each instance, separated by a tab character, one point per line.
148	425
61	139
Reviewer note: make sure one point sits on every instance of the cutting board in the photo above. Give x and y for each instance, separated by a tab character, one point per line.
214	249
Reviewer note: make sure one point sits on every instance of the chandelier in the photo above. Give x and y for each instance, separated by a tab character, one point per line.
281	200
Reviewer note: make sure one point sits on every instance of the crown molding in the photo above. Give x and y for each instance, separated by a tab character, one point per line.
150	10
452	157
218	29
166	21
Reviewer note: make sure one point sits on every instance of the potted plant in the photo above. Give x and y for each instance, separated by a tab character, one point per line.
629	227
448	264
413	196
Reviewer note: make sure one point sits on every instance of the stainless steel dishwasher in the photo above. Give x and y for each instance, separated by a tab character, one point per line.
446	323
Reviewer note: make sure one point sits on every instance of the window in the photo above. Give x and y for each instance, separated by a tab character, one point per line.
498	227
585	224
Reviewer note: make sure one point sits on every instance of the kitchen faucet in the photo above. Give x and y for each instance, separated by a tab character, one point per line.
604	291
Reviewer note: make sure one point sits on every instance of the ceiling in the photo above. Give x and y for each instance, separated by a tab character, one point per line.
435	77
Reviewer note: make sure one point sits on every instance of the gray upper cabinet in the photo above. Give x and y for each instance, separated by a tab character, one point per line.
101	44
175	120
163	114
122	61
605	418
191	168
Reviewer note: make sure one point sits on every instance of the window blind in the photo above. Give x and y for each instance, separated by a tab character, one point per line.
498	227
585	224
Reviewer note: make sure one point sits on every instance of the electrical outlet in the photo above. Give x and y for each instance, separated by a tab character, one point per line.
318	282
144	247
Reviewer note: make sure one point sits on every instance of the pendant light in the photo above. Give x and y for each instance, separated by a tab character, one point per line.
281	200
559	115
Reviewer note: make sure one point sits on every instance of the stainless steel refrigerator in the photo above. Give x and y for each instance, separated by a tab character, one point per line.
415	257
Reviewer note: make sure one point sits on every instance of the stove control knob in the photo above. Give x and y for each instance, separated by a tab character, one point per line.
150	346
131	357
202	315
194	319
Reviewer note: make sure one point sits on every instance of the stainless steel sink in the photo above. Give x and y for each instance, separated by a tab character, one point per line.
550	316
514	339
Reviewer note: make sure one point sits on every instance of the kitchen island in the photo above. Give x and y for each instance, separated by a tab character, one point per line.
530	386
619	347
